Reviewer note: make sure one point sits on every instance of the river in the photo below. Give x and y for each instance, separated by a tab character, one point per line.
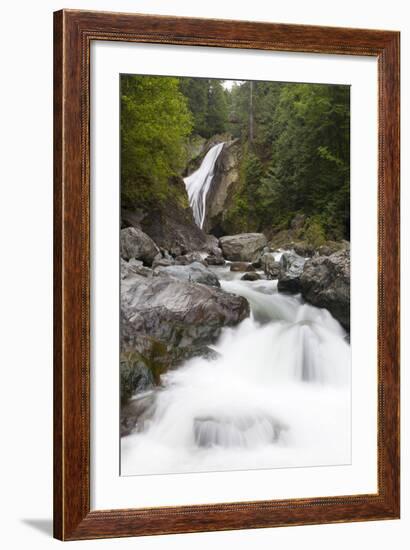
275	394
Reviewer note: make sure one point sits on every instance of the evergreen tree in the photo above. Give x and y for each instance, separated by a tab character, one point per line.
217	112
196	90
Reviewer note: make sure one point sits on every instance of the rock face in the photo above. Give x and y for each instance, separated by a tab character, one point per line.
226	178
134	243
165	320
194	273
170	224
244	247
325	282
291	269
270	266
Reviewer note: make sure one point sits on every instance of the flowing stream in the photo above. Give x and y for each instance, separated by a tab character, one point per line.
276	394
199	183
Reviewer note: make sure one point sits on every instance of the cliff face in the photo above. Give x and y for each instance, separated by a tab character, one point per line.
224	182
170	224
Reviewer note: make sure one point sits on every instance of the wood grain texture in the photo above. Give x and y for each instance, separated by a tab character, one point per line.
73	32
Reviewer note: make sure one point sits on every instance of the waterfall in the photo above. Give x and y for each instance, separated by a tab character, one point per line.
199	183
276	394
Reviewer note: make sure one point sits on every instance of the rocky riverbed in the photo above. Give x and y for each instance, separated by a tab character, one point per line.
173	307
215	345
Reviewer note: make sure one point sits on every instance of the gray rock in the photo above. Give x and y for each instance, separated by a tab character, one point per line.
189	258
165	319
244	247
195	273
135	375
176	251
215	260
251	277
304	249
134	267
136	244
325	282
136	412
330	247
171	225
132	262
166	254
241	267
291	269
212	245
270	266
162	262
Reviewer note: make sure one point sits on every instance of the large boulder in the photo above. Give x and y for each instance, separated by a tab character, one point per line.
244	247
134	243
325	282
291	269
167	320
195	273
270	265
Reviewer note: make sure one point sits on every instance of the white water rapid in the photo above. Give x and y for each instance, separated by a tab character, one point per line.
276	394
199	183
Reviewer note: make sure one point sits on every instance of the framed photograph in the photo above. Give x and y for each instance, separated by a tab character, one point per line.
226	275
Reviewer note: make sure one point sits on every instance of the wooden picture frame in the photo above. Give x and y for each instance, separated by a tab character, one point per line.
74	32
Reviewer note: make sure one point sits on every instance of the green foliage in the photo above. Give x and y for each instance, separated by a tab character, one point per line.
217	113
242	216
196	92
301	138
208	102
314	233
155	122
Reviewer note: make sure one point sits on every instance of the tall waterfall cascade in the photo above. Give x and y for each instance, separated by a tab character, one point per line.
199	182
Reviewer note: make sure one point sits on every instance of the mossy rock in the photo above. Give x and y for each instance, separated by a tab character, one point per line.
141	371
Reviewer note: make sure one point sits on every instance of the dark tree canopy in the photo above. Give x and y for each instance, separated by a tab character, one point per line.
301	143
